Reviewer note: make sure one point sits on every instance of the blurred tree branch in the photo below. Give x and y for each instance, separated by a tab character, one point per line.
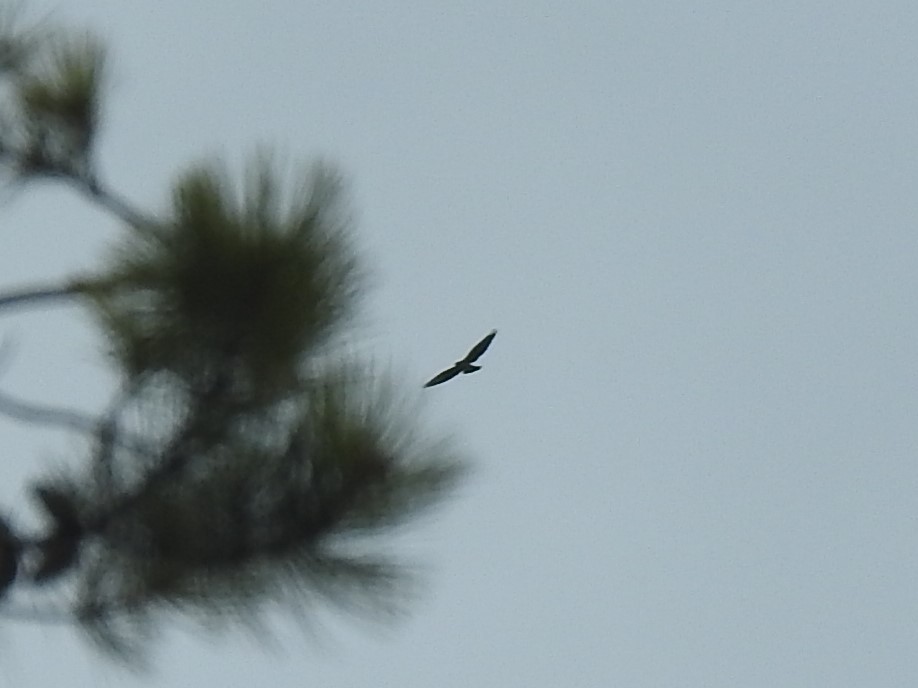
243	462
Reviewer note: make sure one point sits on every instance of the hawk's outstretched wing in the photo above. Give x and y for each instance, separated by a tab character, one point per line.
479	348
447	374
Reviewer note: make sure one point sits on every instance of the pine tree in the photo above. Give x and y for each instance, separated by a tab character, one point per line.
243	464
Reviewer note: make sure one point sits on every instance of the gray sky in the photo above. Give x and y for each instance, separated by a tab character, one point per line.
695	226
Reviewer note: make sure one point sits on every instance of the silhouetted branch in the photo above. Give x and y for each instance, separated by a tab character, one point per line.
67	419
38	295
83	181
110	201
46	415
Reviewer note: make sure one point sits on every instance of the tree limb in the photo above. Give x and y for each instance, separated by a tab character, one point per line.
35	295
67	419
110	201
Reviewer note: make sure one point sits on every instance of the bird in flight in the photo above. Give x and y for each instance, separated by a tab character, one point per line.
466	364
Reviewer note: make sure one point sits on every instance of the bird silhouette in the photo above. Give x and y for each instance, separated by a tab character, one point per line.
466	364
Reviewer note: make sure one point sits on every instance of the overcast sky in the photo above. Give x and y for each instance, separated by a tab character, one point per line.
695	226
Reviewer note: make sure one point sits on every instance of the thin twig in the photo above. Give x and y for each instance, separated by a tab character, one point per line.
110	201
83	181
45	415
32	295
68	419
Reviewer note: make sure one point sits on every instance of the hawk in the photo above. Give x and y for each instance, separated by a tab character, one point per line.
465	365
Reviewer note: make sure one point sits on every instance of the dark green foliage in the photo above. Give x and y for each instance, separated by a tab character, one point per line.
266	487
280	517
242	289
53	114
59	97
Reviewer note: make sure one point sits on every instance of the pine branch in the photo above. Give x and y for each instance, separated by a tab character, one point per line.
223	304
